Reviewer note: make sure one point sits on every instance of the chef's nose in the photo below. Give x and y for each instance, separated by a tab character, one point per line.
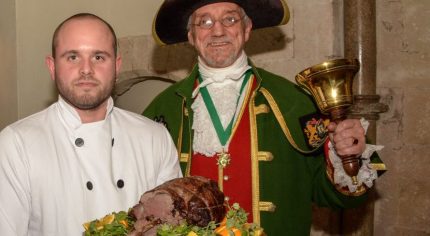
86	67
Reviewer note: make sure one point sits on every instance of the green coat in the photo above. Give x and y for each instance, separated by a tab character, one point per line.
285	181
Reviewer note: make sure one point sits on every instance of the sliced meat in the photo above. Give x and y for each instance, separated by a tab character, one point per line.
196	200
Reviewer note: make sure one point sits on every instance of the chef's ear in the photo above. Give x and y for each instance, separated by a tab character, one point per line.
50	63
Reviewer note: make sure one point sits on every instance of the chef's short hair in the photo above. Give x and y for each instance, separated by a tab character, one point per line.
83	16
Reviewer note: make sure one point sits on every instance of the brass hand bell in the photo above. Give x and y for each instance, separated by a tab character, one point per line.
330	84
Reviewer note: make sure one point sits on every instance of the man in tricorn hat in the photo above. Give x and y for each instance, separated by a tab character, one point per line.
241	125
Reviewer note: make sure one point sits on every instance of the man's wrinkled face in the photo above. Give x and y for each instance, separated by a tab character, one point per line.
220	44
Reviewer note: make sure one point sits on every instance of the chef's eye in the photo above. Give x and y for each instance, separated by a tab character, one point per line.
72	57
99	58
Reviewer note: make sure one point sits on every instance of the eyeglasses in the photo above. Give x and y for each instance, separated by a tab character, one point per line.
206	22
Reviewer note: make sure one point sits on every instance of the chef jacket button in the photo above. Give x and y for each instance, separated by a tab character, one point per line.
89	185
226	198
79	142
226	177
120	183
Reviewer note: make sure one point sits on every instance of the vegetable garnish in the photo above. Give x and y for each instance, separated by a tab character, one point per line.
234	224
115	224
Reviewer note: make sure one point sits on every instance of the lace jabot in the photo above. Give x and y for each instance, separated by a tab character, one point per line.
224	88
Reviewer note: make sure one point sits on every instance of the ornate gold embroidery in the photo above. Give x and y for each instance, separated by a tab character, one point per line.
223	159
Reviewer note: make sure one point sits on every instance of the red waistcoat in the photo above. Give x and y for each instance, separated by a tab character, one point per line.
235	179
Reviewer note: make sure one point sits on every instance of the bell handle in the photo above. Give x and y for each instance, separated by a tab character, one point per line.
350	164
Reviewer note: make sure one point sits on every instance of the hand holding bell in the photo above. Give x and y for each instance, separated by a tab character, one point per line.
348	138
330	84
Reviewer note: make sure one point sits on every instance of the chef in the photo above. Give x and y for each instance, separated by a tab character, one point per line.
80	158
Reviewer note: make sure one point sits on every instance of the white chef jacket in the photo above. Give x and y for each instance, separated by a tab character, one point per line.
57	173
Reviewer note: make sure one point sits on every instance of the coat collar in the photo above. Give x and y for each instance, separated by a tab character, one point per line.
185	89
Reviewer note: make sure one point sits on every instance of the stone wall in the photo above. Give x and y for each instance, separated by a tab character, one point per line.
315	34
403	81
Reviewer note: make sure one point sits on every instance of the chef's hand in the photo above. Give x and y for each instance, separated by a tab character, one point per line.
348	137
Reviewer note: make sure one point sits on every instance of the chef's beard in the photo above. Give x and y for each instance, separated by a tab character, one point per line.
84	100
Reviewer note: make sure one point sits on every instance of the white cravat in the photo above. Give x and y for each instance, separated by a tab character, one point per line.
219	75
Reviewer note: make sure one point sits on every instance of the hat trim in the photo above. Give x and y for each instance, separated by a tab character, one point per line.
154	31
286	17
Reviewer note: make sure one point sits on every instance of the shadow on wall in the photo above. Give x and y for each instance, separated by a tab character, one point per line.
267	40
135	93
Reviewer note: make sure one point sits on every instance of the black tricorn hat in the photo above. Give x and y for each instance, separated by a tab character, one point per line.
170	23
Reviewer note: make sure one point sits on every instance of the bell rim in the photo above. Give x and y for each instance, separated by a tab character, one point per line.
330	66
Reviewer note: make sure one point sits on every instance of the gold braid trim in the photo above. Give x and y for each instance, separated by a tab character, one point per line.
262	108
242	109
254	161
220	178
281	121
378	166
267	206
181	128
265	156
184	157
189	154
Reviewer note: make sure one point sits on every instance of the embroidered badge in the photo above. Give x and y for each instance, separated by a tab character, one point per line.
315	129
223	159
